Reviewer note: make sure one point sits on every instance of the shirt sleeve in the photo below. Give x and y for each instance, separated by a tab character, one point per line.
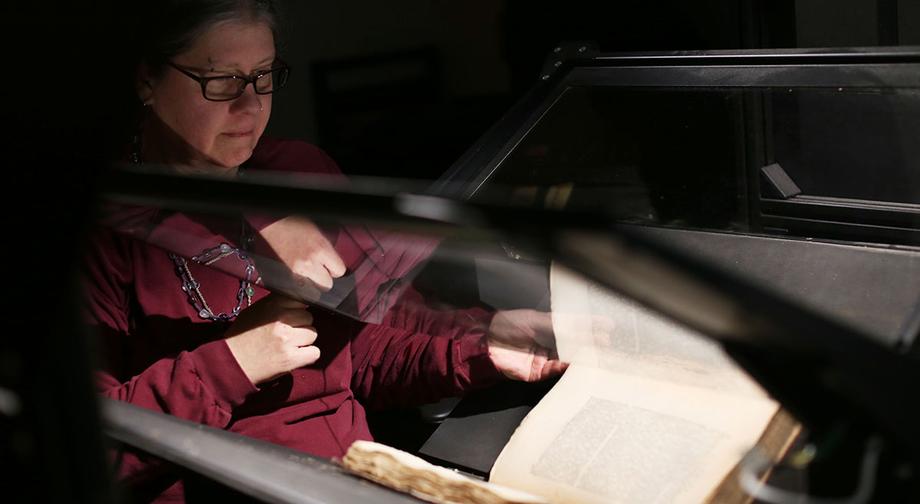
418	355
202	385
411	312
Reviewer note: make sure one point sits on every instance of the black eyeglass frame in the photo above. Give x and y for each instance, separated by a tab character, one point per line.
247	79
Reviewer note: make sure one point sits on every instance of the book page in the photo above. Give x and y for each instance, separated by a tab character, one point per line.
649	411
599	328
605	437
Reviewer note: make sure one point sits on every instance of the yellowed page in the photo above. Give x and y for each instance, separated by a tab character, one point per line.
649	411
605	437
598	328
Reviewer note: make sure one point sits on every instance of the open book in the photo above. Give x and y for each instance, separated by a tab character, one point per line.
648	411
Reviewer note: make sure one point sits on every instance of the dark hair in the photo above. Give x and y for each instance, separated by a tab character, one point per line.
152	32
170	27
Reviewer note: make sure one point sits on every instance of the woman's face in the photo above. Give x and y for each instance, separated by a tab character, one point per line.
222	133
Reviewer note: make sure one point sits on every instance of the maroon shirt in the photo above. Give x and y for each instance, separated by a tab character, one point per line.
161	355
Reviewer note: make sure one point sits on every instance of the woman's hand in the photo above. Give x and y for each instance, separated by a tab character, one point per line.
303	248
521	345
273	337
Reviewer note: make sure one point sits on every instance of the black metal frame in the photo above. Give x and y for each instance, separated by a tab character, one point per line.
262	470
821	370
824	372
849	68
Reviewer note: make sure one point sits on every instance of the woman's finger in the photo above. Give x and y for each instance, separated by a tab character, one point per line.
332	262
302	336
315	272
306	356
553	368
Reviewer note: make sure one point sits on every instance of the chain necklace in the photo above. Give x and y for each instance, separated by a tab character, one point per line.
191	287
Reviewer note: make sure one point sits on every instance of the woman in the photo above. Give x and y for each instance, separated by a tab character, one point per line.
273	370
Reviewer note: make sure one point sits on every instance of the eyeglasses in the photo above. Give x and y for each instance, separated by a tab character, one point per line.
231	87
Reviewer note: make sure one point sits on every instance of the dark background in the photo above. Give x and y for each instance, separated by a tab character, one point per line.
388	88
402	89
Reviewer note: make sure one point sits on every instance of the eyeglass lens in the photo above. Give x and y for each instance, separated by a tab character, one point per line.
230	87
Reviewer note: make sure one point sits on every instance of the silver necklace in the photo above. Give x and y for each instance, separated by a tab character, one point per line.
191	287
